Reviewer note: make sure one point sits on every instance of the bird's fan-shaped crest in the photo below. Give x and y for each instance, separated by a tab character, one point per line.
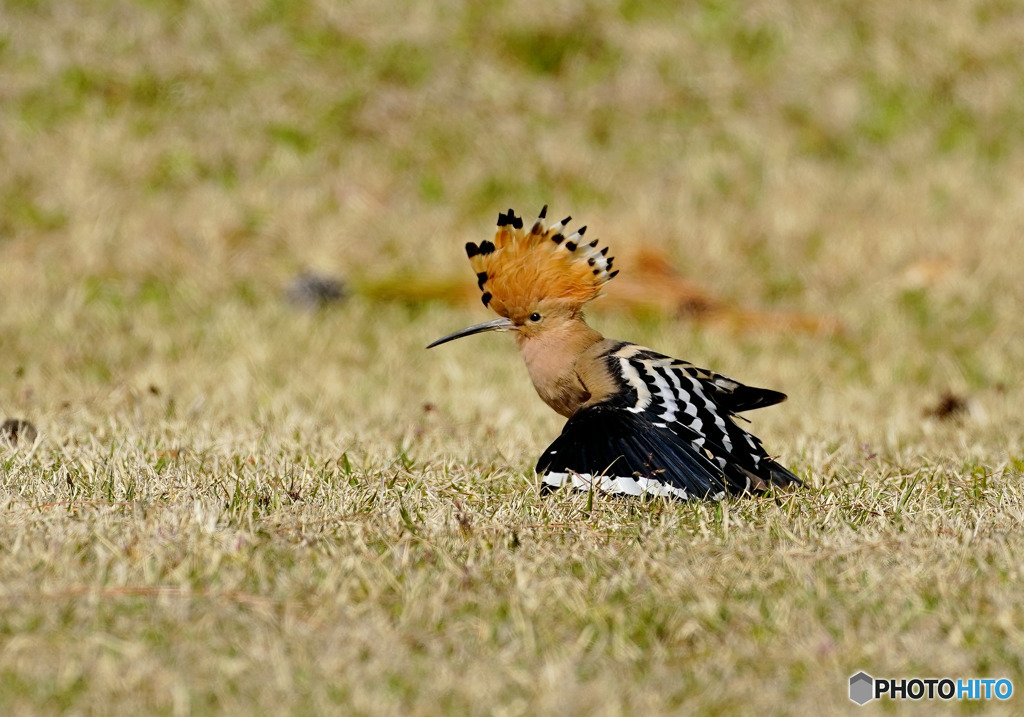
525	265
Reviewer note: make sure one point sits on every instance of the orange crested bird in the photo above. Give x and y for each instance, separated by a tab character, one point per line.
640	423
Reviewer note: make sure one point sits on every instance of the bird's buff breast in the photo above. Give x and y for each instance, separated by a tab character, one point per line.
553	372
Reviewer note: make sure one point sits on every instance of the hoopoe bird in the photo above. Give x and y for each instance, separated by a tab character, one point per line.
640	423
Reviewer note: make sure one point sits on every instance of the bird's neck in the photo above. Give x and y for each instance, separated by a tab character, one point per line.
551	360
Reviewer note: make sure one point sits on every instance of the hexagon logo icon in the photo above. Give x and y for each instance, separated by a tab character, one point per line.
862	688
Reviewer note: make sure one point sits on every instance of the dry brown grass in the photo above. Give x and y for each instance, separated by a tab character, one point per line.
237	507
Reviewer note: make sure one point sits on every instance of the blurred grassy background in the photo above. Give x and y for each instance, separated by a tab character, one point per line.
166	167
171	159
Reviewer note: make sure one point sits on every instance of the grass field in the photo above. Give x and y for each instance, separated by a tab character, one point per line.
236	506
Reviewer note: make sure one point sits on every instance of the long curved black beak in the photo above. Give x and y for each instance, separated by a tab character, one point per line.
501	324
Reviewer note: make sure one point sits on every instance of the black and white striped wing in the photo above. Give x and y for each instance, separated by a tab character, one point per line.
667	431
700	404
613	450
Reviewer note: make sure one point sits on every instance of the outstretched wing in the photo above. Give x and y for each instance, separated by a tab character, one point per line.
669	430
700	404
613	450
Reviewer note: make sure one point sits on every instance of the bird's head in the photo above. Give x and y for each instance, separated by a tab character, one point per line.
536	280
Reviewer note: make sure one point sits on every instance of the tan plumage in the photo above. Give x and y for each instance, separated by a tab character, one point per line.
639	422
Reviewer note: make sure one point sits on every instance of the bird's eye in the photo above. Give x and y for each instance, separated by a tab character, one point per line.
534	316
